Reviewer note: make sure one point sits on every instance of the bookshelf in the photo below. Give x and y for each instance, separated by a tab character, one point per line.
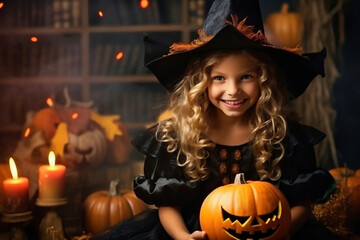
76	48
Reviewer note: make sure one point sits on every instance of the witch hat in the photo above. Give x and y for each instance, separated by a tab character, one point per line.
231	25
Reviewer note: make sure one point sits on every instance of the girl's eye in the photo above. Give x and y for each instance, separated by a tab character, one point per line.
247	77
218	78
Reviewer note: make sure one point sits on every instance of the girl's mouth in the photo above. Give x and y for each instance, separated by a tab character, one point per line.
234	104
237	102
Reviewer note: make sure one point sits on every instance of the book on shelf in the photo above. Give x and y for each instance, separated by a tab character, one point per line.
122	9
75	13
43	59
108	55
134	59
56	12
3	60
48	13
154	12
66	13
122	64
61	59
41	13
137	14
76	59
34	59
96	59
117	63
22	66
196	12
52	59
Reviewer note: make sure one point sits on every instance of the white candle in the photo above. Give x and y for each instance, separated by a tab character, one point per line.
51	180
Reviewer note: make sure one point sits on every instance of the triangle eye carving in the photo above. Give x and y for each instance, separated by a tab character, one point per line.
271	215
233	218
266	218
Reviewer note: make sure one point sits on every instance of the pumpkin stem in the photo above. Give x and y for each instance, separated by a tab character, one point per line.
240	178
112	188
284	8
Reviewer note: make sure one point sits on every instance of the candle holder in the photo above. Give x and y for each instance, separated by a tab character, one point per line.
17	221
51	225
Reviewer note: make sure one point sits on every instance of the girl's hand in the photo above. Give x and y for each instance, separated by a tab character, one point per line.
197	235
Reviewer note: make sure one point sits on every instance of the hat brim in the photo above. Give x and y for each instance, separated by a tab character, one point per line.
299	70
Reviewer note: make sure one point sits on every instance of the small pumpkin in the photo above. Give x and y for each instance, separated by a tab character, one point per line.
285	27
349	181
245	210
103	209
339	173
47	120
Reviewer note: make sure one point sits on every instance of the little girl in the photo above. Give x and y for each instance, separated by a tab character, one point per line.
230	97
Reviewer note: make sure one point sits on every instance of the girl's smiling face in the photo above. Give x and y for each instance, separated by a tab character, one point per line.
234	84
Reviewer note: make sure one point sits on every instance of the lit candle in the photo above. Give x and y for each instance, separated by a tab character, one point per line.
16	191
51	180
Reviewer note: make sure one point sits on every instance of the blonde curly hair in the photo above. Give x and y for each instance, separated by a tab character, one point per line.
186	131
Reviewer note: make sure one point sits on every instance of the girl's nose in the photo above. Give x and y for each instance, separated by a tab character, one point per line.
232	88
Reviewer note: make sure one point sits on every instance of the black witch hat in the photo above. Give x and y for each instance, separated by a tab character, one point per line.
222	30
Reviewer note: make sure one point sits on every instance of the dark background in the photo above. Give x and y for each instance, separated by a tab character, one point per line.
346	90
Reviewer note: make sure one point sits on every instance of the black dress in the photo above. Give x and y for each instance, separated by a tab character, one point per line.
165	184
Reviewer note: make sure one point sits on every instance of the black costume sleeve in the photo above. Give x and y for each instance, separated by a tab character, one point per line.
163	183
301	179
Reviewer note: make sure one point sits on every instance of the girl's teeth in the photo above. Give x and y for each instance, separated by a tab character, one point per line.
234	102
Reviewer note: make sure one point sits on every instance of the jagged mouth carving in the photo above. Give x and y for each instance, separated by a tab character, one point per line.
252	227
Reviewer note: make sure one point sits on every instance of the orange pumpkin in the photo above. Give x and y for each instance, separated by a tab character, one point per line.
285	27
245	210
349	180
104	209
47	120
353	200
339	173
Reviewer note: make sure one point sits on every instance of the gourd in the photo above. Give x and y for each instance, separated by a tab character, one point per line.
245	210
103	209
285	26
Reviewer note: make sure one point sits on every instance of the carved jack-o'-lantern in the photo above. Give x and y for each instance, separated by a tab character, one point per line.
245	210
86	149
79	136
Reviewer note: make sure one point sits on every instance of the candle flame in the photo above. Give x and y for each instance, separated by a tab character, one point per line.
49	102
34	39
75	115
119	56
144	3
51	158
1	4
13	168
27	132
101	13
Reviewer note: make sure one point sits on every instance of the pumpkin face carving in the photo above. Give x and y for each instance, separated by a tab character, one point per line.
85	150
252	210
